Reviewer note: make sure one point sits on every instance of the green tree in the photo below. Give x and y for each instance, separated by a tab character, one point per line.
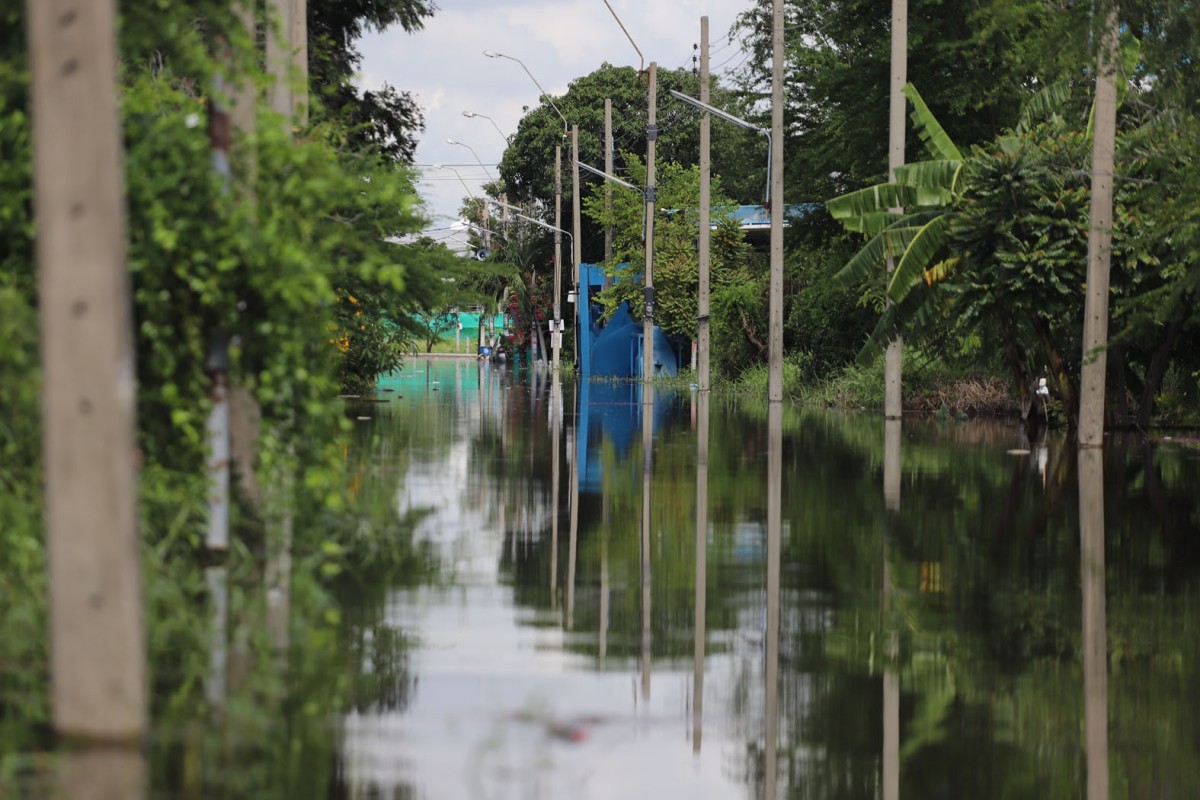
527	168
676	267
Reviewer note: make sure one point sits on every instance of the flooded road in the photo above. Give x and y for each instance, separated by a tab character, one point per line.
787	603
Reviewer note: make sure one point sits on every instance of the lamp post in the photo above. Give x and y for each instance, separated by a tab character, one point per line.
702	310
473	115
557	327
545	94
486	171
457	175
555	340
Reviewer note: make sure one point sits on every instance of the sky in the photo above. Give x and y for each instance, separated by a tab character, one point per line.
444	68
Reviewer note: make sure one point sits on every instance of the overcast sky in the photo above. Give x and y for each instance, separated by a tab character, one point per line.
443	66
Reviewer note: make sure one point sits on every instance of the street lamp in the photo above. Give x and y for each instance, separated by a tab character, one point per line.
557	194
473	115
545	94
460	178
486	171
516	212
725	115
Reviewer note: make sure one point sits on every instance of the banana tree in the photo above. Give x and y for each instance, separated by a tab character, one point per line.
927	221
907	219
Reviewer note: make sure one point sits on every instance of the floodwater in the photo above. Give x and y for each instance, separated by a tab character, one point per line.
765	603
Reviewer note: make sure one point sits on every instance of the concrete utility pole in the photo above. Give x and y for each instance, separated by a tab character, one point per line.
555	339
298	28
97	640
608	167
775	342
279	33
1095	314
576	211
648	304
892	400
702	313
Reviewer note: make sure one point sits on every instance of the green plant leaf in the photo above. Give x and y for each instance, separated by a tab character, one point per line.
921	251
936	140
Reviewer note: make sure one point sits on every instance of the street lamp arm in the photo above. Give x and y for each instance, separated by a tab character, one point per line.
472	115
494	54
725	115
486	171
607	177
457	175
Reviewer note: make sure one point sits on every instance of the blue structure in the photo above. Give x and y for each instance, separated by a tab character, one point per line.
615	349
611	411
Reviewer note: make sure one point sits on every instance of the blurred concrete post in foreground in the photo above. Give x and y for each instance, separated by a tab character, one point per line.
97	642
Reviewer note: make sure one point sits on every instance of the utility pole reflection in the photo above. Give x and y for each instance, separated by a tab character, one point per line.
574	535
647	474
555	387
891	678
774	553
1095	639
702	401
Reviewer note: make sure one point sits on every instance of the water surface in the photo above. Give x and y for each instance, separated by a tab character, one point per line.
941	590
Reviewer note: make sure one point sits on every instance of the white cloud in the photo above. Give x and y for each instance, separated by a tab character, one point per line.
444	67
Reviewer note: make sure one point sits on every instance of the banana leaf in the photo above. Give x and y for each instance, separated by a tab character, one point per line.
892	241
936	140
939	179
920	253
873	199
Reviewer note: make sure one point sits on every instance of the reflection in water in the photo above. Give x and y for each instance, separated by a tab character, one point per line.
574	532
555	436
774	554
647	497
891	677
762	625
702	410
1095	646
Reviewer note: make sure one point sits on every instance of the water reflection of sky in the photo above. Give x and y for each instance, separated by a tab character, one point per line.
502	706
499	702
974	561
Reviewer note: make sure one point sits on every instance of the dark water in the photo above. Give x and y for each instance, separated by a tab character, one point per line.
959	614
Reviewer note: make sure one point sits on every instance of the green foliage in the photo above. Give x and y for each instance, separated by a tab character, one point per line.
267	263
676	264
527	168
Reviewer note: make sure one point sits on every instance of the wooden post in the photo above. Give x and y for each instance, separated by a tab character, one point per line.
97	641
